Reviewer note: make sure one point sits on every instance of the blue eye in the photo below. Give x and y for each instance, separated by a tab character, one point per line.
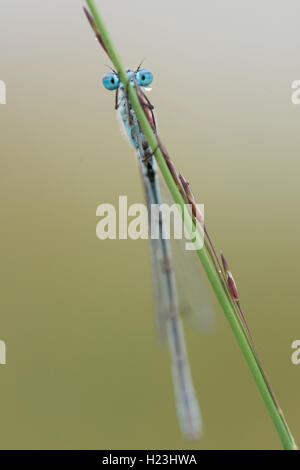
111	81
144	77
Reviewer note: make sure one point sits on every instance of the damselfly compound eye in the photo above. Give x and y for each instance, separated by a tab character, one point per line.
111	81
144	77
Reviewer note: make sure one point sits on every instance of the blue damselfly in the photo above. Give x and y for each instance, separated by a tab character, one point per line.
164	282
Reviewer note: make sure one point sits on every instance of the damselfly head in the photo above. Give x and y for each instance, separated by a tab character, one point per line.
142	77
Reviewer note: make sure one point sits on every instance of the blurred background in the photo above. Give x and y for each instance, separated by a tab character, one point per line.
84	368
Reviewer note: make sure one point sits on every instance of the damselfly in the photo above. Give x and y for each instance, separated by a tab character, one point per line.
164	282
